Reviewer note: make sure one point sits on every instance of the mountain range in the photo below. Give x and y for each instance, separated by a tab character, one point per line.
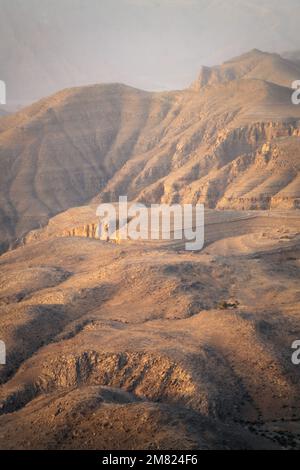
142	344
58	44
230	140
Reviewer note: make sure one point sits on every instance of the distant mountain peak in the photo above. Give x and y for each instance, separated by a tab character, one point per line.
249	54
254	64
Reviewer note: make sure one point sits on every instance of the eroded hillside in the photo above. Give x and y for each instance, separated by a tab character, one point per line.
145	345
230	141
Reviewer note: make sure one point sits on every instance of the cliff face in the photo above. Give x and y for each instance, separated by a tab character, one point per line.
76	222
247	167
89	230
232	142
268	169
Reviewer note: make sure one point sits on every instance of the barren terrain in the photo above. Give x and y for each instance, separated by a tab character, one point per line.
145	345
142	344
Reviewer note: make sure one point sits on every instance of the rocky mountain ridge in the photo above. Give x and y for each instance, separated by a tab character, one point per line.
231	143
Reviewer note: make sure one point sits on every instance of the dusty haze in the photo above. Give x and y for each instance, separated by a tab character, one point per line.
151	44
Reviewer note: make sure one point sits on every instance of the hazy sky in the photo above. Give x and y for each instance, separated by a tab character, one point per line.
46	45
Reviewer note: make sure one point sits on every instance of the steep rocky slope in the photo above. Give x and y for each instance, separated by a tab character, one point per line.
230	141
